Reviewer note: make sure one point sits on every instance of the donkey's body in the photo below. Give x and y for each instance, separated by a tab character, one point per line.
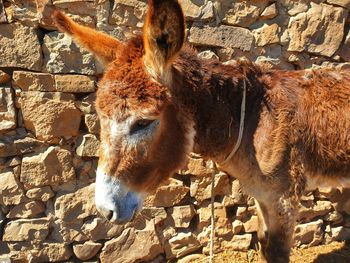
158	102
296	133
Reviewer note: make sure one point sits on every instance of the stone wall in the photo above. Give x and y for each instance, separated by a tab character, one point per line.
49	131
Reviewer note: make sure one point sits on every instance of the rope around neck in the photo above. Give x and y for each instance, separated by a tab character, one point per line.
241	126
215	170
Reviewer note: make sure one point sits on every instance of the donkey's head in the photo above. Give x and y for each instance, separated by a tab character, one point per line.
144	137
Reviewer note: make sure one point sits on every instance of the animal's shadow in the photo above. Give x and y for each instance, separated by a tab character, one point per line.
341	255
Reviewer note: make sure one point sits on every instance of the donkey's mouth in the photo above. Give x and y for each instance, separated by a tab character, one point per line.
114	200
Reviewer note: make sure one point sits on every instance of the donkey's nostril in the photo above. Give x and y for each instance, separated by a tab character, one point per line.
109	215
106	213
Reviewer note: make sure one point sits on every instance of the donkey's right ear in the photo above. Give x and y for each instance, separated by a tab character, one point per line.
100	44
164	33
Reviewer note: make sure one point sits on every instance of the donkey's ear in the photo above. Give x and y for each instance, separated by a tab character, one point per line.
98	43
164	33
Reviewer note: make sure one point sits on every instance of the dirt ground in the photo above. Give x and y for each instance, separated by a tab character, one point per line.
337	252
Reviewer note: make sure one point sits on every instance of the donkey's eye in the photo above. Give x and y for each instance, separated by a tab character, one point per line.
140	125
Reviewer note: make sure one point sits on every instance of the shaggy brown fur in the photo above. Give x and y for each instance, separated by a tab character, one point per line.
296	127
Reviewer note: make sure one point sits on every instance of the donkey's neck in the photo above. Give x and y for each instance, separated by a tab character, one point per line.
211	93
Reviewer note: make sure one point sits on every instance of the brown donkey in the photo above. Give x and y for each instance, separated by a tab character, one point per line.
158	101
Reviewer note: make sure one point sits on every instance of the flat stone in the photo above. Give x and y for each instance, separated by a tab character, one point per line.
296	7
267	35
329	193
61	55
242	13
252	225
10	189
130	246
319	208
197	9
22	51
43	193
343	3
92	122
183	244
51	167
242	212
77	205
75	83
24	11
236	197
26	229
309	234
98	229
67	232
7	110
26	210
237	226
48	117
201	186
221	36
182	215
88	146
238	242
334	217
29	81
192	9
205	214
13	145
198	167
320	30
270	12
53	252
340	233
129	13
157	213
86	250
168	195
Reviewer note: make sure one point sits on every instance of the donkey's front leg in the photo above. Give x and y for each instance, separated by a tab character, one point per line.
278	217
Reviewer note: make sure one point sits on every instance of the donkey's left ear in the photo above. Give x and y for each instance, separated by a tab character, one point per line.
164	33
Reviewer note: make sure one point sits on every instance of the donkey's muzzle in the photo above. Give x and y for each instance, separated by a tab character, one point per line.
113	199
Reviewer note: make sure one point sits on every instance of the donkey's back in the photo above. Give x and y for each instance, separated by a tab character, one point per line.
317	103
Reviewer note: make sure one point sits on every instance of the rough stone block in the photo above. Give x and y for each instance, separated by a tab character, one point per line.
10	189
77	205
222	36
50	117
320	30
61	55
168	195
7	109
75	83
21	51
130	246
88	146
29	81
26	229
51	167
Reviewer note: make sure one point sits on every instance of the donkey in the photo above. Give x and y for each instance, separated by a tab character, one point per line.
158	101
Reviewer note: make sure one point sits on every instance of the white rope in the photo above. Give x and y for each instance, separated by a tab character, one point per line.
241	126
212	233
215	170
